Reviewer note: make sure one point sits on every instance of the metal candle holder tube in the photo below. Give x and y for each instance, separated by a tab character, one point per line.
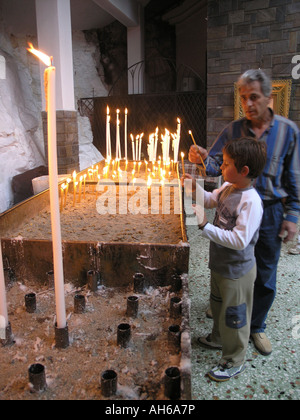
61	337
37	377
132	306
175	307
176	283
174	336
79	304
50	276
30	303
109	383
172	383
139	283
123	335
92	280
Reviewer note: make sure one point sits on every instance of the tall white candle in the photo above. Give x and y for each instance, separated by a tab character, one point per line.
176	150
118	144
133	147
3	303
108	139
49	77
54	201
137	147
140	146
125	133
156	141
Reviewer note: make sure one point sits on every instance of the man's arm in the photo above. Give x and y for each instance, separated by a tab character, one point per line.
213	159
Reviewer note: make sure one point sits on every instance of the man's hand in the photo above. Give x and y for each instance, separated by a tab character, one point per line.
195	154
288	231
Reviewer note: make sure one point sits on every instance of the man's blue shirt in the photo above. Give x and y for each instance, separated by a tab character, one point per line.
281	176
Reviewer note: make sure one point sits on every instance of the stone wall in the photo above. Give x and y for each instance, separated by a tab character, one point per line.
243	35
67	141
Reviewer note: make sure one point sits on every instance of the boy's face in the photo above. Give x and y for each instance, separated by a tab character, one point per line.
229	171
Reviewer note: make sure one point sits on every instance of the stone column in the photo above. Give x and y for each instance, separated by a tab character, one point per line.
136	54
55	39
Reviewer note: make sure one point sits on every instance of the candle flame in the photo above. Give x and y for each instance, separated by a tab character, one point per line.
43	57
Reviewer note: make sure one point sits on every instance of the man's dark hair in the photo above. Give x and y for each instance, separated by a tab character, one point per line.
247	151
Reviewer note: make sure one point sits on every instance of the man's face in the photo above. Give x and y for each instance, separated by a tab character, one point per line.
254	103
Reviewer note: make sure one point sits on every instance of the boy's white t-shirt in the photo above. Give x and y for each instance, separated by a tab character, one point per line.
235	229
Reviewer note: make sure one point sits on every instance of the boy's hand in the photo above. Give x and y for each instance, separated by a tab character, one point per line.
201	215
189	186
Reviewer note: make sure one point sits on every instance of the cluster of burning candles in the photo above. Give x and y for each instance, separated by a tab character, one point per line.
117	171
136	141
155	169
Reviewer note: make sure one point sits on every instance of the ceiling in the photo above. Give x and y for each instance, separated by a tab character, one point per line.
20	18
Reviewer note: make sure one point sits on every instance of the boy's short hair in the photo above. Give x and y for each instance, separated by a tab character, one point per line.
247	151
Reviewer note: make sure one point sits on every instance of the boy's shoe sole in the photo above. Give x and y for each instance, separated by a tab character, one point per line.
208	344
223	374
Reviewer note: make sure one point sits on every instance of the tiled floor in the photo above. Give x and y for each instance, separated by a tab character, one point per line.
276	377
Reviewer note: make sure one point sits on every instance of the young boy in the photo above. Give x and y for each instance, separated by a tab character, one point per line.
233	236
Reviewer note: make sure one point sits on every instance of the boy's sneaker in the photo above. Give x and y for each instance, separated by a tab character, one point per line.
208	343
223	373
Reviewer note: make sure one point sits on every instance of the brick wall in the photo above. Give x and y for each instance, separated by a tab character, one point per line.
245	34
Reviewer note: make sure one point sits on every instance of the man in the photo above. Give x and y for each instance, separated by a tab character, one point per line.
278	186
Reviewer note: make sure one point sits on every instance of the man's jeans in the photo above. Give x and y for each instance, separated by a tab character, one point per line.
267	252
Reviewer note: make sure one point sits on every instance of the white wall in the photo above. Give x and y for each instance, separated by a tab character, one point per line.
21	138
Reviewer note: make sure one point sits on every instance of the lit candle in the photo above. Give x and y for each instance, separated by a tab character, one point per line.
84	178
3	303
203	164
108	138
182	160
191	134
133	151
62	196
149	183
155	145
163	197
125	131
137	147
140	147
118	144
74	187
67	189
54	195
80	189
178	139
